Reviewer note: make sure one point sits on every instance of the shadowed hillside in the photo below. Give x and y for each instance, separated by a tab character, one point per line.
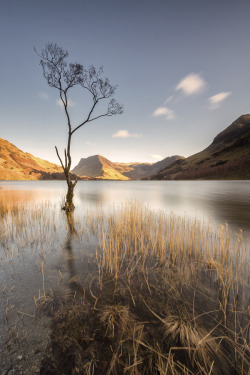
228	157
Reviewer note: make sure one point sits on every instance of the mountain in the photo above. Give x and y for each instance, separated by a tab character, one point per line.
99	167
18	165
133	171
227	157
156	167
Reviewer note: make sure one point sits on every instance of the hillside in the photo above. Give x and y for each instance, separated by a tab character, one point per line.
227	157
99	167
18	165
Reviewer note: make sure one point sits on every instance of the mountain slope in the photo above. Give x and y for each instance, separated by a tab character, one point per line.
227	157
18	165
99	167
156	167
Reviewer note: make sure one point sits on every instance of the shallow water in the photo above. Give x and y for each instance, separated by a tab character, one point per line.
221	201
29	271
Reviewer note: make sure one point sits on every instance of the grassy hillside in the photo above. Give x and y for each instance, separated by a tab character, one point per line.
18	165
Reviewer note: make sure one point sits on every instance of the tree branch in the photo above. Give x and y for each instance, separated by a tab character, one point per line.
59	158
65	156
87	120
105	115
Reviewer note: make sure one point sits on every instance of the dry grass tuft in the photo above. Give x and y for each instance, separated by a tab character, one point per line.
54	300
116	316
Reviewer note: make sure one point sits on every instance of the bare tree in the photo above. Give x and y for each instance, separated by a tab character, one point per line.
64	76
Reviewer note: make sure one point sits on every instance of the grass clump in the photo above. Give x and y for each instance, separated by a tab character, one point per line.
163	295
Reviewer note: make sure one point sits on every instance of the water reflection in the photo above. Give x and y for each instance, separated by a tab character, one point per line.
19	192
221	201
70	257
9	199
235	211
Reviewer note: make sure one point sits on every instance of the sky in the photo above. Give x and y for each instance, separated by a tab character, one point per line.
182	69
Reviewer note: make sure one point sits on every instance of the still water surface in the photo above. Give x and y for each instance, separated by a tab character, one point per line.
220	201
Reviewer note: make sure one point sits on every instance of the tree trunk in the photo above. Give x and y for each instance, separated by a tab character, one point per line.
69	205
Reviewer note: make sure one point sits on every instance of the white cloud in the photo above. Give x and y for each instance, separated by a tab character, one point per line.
125	134
43	95
164	111
90	143
191	84
160	111
60	103
216	100
157	157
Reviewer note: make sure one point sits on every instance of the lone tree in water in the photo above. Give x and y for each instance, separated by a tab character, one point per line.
64	76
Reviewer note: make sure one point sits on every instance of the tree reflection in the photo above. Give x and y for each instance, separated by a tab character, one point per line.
73	282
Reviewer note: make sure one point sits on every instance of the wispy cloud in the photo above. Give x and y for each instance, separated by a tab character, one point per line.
43	95
168	99
60	103
157	157
216	100
164	111
191	84
125	134
90	143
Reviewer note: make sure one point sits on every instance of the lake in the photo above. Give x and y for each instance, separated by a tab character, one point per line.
220	201
36	256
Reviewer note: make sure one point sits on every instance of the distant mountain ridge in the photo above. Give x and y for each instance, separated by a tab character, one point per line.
227	157
99	167
18	165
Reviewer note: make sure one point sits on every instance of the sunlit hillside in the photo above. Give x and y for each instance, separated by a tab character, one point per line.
18	165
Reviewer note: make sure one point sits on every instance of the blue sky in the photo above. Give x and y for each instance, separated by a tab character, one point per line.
182	68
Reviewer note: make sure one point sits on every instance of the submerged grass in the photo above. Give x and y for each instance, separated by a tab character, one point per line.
162	295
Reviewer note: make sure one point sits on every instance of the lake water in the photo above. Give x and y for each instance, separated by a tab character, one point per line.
220	201
25	271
